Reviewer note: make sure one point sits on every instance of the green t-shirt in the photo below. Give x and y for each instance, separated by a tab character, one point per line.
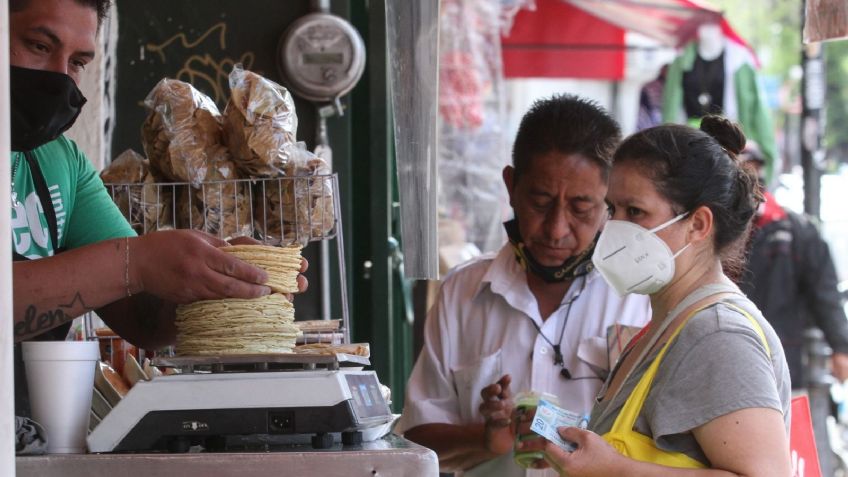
85	213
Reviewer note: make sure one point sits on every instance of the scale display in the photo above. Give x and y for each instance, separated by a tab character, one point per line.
368	401
321	56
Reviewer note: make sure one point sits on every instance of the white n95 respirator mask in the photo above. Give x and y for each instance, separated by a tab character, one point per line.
632	259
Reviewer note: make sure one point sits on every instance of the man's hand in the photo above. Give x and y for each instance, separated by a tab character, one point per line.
496	409
184	266
839	366
302	282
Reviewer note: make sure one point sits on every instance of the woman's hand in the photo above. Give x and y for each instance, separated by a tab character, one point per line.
594	457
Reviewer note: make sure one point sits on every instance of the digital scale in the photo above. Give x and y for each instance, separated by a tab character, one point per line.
284	395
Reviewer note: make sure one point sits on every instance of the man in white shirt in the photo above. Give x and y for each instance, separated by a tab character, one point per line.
535	315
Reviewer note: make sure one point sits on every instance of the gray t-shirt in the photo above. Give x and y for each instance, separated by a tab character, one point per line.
716	365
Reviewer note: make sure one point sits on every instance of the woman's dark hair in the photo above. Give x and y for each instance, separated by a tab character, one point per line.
693	168
566	124
99	6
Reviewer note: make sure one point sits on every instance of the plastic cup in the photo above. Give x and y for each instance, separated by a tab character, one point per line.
60	376
527	401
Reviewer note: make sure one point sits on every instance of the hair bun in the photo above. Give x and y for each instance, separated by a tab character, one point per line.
725	131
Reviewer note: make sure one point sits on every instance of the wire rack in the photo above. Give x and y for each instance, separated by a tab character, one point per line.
276	211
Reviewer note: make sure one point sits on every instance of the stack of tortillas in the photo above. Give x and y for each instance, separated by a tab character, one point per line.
281	263
237	326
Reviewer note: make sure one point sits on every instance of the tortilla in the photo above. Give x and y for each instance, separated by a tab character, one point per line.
236	326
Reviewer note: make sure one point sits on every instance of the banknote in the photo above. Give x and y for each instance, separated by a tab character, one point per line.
550	417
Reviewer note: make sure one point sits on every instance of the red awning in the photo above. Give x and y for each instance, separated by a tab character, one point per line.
585	38
559	40
672	22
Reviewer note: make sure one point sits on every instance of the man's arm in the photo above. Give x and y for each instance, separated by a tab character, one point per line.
459	447
144	320
178	266
818	283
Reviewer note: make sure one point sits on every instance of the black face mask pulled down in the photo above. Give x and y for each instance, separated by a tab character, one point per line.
44	104
572	268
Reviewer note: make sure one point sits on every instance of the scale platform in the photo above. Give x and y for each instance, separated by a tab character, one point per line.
261	362
280	396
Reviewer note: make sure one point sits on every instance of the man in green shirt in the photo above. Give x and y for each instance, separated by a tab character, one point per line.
74	251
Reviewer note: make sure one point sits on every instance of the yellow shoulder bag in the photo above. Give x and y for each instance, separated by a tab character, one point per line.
630	443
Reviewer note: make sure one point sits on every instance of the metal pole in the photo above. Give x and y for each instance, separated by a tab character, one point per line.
813	89
818	383
341	258
7	382
324	151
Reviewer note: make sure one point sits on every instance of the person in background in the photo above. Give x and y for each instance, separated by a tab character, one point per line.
705	389
74	251
790	276
650	101
535	315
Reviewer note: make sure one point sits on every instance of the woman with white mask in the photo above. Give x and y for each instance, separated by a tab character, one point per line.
704	388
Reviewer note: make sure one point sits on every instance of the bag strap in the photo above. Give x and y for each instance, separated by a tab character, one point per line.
626	419
44	197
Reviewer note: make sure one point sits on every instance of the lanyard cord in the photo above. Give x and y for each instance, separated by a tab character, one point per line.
558	358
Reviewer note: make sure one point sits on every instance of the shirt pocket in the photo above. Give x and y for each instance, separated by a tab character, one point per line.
592	352
469	380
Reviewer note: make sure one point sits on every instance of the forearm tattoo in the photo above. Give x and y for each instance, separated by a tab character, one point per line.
36	321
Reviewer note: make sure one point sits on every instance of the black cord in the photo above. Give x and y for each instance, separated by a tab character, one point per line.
558	358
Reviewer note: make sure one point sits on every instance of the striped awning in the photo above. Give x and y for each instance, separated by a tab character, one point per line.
671	22
586	38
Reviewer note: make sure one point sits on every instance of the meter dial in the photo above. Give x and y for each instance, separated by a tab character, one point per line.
321	56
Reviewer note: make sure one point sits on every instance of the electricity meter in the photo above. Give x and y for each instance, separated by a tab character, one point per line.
321	57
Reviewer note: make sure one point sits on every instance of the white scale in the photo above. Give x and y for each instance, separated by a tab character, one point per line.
173	413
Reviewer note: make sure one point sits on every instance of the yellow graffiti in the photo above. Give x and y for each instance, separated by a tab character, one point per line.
160	48
205	69
213	73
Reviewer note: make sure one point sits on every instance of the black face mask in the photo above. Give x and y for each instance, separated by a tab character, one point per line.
573	267
44	104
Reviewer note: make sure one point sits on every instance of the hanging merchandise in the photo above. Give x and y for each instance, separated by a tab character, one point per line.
716	74
473	148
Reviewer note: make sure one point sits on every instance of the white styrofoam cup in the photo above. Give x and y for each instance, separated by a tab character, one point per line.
60	376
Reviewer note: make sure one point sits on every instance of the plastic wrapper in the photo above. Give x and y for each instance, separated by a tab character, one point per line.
510	8
260	124
300	206
157	205
221	205
473	148
129	167
123	172
182	126
413	39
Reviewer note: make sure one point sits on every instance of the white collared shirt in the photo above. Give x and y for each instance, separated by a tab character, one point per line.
481	327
